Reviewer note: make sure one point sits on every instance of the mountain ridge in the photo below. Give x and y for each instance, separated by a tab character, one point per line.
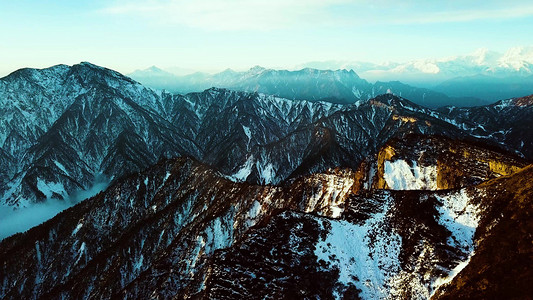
342	86
105	110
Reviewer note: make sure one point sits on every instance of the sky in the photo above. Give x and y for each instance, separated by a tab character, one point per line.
212	35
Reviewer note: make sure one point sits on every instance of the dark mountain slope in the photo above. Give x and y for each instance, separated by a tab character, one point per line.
507	122
180	229
501	265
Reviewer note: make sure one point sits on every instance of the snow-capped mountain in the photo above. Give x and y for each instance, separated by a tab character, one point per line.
483	74
227	194
515	61
110	125
340	86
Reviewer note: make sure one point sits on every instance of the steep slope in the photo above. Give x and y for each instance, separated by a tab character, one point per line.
177	211
180	229
501	265
101	130
506	121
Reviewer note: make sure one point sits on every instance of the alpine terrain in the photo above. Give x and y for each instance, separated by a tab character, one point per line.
262	192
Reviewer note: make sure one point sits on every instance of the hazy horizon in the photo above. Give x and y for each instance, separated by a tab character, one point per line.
210	35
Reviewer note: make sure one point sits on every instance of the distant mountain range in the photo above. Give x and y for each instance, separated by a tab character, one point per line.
483	74
469	80
340	86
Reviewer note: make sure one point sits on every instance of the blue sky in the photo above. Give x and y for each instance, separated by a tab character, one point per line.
213	35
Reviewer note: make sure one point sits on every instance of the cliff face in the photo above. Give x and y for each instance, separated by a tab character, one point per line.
437	163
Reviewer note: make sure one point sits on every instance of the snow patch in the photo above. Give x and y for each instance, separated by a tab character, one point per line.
247	132
166	177
219	235
137	265
267	173
461	218
81	251
50	188
61	167
253	212
366	255
245	171
78	227
38	252
399	175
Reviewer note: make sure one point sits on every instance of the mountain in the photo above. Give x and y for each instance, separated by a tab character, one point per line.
516	61
109	125
182	230
230	194
504	122
94	127
340	86
483	74
425	97
155	77
487	87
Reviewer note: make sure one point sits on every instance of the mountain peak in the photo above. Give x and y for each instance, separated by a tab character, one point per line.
90	65
256	69
90	71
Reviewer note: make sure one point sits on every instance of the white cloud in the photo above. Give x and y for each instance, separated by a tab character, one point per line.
264	15
229	15
24	218
454	16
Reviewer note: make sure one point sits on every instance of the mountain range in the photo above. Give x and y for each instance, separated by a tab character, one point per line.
340	86
484	74
231	194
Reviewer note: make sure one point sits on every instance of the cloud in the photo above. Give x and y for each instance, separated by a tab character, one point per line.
215	15
264	15
22	219
455	16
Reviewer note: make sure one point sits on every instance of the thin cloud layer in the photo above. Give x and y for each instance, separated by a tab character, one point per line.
229	15
232	15
22	219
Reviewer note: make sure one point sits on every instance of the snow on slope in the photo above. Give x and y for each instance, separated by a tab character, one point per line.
367	251
399	175
368	254
461	218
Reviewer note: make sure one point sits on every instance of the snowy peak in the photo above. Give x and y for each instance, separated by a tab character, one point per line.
150	72
256	70
518	58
